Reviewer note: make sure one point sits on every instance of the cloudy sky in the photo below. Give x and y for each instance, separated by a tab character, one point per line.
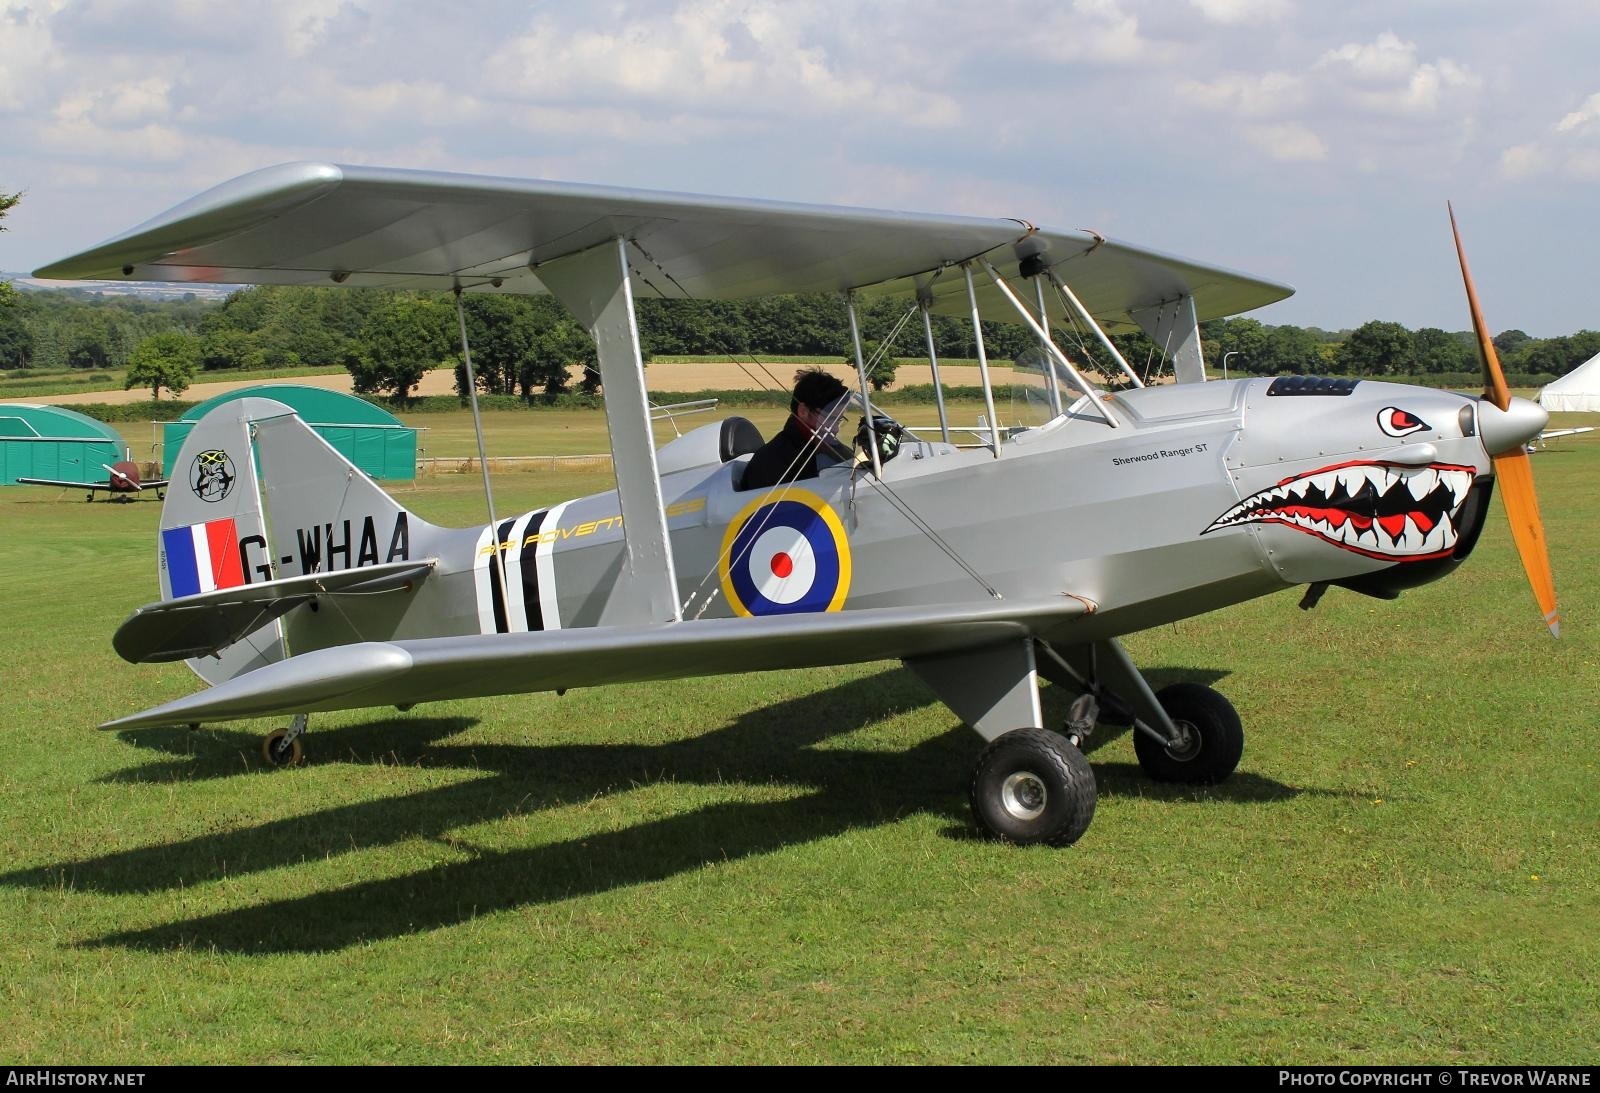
1314	143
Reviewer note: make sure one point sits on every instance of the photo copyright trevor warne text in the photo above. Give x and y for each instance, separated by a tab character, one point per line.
1438	1077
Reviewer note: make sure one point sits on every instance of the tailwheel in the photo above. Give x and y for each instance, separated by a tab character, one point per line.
280	751
283	747
1210	739
1032	786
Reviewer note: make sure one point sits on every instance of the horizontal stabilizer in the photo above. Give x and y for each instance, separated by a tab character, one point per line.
402	673
200	625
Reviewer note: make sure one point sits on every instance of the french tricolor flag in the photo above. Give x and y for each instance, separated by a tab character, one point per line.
202	557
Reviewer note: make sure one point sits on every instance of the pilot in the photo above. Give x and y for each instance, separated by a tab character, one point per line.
809	440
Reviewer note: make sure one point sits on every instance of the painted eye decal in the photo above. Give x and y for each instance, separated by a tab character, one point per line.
1397	422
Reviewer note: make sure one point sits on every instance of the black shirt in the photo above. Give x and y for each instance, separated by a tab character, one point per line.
781	460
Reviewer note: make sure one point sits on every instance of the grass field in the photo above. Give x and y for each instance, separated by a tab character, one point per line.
781	867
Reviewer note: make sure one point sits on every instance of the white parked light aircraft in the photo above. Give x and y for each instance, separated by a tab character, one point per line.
293	584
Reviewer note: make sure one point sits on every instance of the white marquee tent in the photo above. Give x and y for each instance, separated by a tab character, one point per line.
1579	389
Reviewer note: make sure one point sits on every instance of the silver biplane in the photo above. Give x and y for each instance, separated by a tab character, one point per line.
292	583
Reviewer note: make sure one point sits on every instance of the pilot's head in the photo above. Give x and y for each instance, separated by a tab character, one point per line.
816	400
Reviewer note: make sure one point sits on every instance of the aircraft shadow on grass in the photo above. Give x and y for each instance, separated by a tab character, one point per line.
775	744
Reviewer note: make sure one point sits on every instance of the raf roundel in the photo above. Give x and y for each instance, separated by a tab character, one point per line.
786	557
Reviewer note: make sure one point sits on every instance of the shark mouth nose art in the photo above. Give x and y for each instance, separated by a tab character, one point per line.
1381	510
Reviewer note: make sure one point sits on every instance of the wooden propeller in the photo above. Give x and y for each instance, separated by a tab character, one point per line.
1514	468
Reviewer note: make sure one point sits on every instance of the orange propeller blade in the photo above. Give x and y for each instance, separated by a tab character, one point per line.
1494	380
1514	469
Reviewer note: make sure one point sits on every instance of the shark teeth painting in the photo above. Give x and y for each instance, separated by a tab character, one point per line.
1380	510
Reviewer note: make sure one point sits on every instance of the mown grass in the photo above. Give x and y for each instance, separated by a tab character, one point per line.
780	867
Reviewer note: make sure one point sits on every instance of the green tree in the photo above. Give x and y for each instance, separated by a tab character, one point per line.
1376	349
163	360
7	203
1286	350
881	372
1246	338
403	338
1434	351
557	347
16	340
501	331
1508	343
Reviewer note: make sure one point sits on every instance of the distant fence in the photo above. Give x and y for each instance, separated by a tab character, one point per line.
469	464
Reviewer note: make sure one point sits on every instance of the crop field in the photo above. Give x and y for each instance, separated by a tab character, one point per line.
781	867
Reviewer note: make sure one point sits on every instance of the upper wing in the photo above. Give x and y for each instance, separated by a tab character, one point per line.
400	673
310	223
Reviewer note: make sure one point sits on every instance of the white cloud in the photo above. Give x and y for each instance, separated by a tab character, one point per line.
132	102
1384	76
1095	31
1384	61
28	54
1289	142
1238	12
712	56
78	134
1571	148
1246	94
1582	120
328	104
1373	105
1524	161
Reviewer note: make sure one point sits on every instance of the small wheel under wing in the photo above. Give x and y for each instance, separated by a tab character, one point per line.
281	750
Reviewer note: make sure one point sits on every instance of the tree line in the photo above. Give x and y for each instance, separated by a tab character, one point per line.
531	347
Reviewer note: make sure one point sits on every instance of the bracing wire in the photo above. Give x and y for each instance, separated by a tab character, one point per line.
497	558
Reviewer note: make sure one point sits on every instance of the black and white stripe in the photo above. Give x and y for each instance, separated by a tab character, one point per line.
526	598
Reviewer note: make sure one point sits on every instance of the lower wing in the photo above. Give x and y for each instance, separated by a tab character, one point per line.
402	673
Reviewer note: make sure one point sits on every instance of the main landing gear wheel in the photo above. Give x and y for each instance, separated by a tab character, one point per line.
1211	739
1031	786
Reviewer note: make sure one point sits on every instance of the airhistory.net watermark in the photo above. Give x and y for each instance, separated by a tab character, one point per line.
49	1078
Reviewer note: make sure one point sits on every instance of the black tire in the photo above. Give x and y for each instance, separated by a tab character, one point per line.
1213	737
1030	787
277	754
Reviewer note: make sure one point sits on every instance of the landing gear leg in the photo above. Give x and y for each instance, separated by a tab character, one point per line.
282	748
1186	733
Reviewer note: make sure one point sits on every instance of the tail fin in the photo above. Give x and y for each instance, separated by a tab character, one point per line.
256	496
